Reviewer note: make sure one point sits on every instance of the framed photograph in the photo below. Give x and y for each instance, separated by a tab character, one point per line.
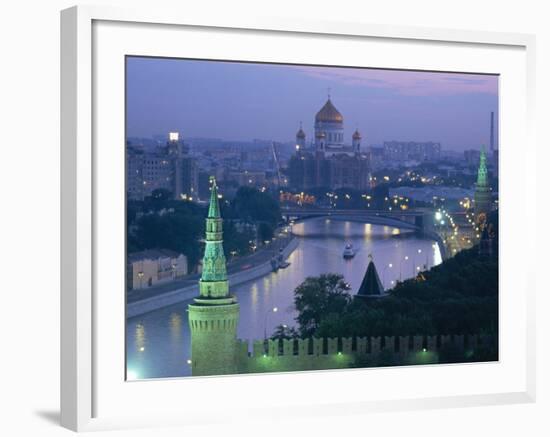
256	209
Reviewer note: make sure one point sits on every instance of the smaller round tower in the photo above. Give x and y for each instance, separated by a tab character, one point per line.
300	139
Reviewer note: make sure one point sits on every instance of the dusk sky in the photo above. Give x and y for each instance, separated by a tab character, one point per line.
239	101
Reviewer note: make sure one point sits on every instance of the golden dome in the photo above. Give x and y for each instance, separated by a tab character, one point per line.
301	134
356	135
329	114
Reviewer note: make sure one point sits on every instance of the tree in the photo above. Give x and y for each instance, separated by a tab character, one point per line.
318	297
179	231
235	240
284	332
252	205
265	232
159	199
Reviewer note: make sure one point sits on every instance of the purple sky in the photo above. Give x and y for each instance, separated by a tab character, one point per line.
238	101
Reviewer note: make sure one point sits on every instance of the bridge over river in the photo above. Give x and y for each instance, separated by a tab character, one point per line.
420	220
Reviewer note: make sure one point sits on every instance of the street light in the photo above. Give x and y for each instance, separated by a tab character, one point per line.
401	265
174	269
140	276
419	251
267	313
390	265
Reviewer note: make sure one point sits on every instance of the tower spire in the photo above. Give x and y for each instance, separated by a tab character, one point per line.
213	282
482	169
214	207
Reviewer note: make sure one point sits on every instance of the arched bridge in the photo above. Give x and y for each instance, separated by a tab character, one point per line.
420	220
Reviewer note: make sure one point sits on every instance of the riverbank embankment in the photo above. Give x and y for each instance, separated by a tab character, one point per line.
188	292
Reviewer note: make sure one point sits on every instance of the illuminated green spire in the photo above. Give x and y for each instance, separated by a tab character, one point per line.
213	283
214	208
482	180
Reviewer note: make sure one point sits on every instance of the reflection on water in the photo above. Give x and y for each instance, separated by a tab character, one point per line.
159	344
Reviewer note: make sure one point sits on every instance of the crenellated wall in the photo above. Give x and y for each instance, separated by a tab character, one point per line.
338	353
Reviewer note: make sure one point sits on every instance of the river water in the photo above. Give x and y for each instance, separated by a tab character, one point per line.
158	343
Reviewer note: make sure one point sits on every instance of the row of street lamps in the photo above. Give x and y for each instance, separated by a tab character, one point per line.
415	267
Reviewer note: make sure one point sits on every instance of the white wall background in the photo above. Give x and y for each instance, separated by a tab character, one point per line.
29	213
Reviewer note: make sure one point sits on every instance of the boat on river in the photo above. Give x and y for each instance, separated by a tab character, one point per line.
279	262
349	251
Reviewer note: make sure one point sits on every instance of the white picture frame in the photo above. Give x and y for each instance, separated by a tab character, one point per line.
84	384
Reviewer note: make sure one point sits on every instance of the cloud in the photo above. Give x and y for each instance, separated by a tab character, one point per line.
407	83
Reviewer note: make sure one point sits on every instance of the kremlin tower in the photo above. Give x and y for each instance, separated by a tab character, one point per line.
482	195
214	314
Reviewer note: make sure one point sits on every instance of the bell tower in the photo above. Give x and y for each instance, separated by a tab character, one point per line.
214	314
300	139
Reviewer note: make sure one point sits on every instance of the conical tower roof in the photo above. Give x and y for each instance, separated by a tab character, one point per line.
371	286
214	207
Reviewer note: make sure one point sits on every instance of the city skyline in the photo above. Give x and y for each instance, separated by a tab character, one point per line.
245	101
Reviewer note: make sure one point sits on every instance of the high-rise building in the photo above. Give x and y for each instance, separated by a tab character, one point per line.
482	194
170	167
214	314
134	172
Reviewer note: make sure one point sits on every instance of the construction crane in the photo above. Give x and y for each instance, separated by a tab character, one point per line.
276	161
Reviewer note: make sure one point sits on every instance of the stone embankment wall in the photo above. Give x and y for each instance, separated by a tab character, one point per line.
187	293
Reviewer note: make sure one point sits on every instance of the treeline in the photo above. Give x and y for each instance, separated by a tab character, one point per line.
160	222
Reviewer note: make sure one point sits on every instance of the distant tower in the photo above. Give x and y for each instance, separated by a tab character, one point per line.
482	195
300	139
214	315
356	141
174	149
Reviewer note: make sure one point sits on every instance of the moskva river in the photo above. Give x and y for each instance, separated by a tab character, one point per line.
158	343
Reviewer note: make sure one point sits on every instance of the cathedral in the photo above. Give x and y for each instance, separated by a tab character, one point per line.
327	161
